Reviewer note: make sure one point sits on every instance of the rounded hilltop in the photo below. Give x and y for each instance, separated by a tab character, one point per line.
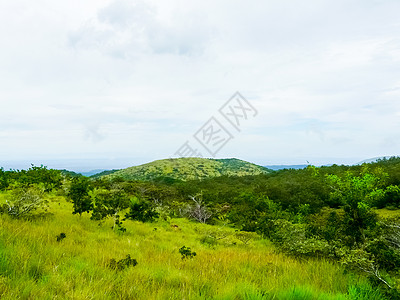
190	168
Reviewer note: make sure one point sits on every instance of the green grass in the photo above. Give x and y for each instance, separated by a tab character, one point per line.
385	213
33	265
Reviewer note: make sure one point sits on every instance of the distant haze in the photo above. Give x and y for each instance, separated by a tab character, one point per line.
89	167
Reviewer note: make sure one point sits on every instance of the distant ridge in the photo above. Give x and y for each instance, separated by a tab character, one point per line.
374	159
281	167
104	173
190	168
92	172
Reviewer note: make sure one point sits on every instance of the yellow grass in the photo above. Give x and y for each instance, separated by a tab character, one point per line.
33	265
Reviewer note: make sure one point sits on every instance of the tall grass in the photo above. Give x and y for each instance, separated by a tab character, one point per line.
33	265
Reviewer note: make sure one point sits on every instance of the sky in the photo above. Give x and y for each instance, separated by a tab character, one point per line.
95	84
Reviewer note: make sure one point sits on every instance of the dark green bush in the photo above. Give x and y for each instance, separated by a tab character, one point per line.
122	263
186	252
61	236
143	212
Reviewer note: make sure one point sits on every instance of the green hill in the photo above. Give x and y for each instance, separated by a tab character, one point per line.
190	168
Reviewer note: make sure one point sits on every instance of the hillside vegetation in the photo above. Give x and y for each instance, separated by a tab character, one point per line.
34	264
316	233
192	168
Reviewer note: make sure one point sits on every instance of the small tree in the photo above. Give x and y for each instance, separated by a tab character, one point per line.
141	211
393	235
79	194
24	201
355	193
110	203
199	211
245	237
361	260
49	178
3	179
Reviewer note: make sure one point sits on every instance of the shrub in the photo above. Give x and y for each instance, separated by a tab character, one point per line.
198	210
24	201
245	237
79	194
110	203
142	212
291	238
122	263
209	240
61	236
186	252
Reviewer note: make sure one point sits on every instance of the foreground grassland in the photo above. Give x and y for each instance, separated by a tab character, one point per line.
34	265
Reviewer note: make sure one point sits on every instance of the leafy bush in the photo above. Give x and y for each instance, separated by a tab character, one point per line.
186	252
245	237
61	236
292	238
23	202
143	212
79	193
122	263
3	179
209	240
361	260
50	179
110	203
385	256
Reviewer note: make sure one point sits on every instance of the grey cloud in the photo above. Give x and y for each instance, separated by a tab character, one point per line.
88	37
66	107
124	14
92	133
285	25
124	29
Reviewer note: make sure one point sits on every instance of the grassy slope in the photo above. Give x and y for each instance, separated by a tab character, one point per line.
190	168
33	265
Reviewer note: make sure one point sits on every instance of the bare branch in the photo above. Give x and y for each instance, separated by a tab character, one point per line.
199	211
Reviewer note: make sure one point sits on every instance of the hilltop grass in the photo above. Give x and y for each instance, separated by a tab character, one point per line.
190	168
33	265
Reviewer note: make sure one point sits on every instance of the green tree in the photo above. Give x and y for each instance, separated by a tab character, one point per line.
110	203
79	194
141	211
391	197
24	201
49	178
355	193
3	179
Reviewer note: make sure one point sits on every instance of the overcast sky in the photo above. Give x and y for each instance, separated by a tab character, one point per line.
121	83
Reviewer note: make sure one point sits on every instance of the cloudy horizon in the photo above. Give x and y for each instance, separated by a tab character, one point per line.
108	84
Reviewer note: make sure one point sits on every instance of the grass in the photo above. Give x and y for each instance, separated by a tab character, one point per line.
385	213
33	265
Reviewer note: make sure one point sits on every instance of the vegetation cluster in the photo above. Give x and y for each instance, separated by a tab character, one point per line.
345	218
